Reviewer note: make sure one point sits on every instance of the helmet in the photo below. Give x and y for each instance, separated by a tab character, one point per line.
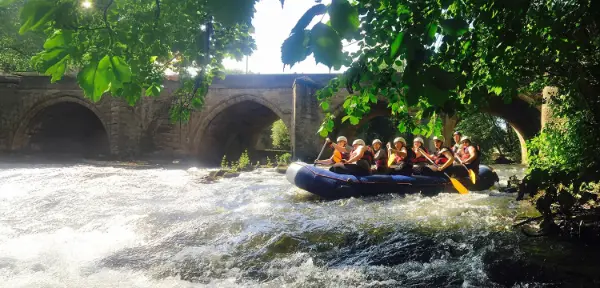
376	141
419	139
400	139
359	142
457	133
342	138
465	138
439	138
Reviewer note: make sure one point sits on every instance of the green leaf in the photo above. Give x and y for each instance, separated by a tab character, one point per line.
395	47
431	30
401	127
323	132
373	98
325	106
345	118
154	91
344	18
454	27
35	14
131	92
92	79
496	90
121	72
354	120
308	16
295	48
54	59
326	45
402	10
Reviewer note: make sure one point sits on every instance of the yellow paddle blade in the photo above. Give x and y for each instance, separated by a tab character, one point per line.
472	176
459	186
391	160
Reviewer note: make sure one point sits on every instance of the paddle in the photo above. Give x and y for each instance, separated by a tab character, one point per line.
321	153
457	185
390	158
472	175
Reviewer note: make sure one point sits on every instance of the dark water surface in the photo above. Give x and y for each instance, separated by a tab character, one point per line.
87	226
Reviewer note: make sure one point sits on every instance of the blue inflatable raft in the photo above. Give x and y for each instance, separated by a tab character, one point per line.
329	185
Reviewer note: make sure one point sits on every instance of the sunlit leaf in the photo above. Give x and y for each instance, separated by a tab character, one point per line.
326	45
36	13
344	18
395	47
308	16
295	48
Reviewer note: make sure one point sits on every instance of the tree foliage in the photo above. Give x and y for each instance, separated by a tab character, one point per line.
458	54
281	136
16	50
454	53
125	47
492	134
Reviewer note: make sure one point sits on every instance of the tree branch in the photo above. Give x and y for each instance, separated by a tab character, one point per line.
105	17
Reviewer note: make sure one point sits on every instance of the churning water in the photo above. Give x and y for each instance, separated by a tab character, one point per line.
86	226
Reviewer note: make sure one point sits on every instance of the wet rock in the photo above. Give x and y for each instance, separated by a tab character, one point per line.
281	169
231	174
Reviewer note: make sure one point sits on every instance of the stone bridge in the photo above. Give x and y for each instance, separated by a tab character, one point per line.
39	116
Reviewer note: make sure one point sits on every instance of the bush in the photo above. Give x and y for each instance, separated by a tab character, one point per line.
284	159
244	161
280	136
224	163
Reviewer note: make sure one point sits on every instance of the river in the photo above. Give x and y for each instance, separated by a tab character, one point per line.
90	226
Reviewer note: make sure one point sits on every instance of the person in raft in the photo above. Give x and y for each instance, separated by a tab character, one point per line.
469	154
457	146
442	157
419	159
380	157
402	163
341	150
359	163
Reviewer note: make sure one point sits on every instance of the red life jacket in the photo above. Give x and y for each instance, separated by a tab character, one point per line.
421	158
439	158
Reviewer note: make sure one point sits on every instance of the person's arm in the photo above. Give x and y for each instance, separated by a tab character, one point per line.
472	155
449	162
379	155
339	148
358	156
402	152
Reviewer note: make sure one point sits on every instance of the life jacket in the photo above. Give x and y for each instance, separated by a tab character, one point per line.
466	155
439	158
381	162
338	156
368	155
420	159
410	156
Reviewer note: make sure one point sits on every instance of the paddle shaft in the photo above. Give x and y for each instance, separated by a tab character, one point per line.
321	153
460	161
432	162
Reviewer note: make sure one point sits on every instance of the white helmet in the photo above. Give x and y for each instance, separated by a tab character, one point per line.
376	141
359	142
467	138
439	138
419	139
400	139
342	138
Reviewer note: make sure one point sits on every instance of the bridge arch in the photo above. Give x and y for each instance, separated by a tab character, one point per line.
63	120
234	125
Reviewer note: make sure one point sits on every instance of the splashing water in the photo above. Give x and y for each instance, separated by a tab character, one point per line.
86	226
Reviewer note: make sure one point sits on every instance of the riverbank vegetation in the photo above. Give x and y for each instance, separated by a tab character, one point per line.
458	54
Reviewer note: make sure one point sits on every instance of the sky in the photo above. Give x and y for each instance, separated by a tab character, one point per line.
272	26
